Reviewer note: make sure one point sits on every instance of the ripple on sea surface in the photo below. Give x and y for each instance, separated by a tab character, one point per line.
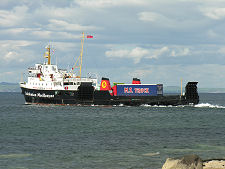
34	136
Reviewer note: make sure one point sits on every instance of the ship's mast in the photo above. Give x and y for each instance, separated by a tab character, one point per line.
79	59
81	51
47	54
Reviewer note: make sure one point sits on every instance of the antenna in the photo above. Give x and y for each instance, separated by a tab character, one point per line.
181	87
56	60
21	78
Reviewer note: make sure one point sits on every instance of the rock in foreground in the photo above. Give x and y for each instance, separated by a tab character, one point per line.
186	162
193	162
214	164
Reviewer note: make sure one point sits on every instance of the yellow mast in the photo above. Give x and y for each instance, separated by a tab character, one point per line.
47	54
81	52
79	59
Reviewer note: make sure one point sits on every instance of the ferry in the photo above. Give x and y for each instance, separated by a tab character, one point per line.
47	84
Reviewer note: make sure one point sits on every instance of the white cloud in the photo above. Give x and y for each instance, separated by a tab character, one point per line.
214	13
42	34
10	55
109	3
117	53
13	56
65	46
140	73
13	17
212	34
16	31
15	44
95	3
65	26
12	52
180	52
136	54
171	74
161	20
149	16
222	50
65	35
55	12
155	53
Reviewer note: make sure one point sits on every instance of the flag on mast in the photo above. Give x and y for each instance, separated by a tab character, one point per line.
89	36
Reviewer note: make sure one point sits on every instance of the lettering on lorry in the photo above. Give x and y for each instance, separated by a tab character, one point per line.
141	90
128	90
136	90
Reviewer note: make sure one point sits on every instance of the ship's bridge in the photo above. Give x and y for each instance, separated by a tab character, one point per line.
49	69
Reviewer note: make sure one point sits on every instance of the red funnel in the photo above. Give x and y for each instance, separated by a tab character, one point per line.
105	85
136	81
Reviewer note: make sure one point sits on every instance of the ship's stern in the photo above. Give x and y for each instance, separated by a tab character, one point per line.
191	93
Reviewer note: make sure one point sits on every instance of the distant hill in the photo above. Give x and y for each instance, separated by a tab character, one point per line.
9	87
171	89
176	89
211	90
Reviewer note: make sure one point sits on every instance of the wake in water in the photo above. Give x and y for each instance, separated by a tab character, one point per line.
201	105
146	105
208	105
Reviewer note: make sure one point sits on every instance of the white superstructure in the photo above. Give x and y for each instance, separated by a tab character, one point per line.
48	77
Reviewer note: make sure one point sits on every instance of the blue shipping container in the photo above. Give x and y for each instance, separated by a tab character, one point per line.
139	90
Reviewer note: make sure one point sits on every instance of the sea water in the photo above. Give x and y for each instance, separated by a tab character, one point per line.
110	137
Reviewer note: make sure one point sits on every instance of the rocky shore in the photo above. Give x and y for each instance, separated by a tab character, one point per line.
214	164
193	162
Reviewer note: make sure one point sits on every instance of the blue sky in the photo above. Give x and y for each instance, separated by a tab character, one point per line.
158	41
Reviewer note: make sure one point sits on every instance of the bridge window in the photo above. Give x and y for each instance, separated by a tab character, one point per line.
68	83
